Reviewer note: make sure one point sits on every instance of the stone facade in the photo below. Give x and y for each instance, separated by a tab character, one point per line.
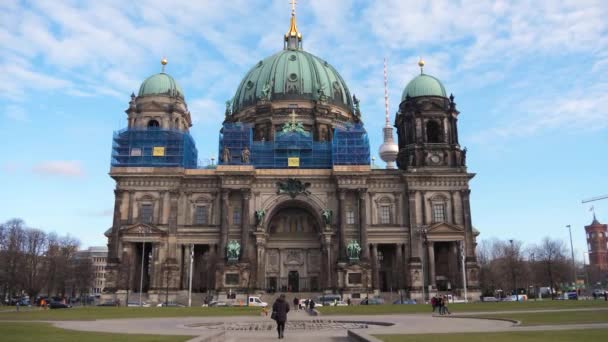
307	256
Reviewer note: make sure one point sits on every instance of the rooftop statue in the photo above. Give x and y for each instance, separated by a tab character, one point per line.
245	154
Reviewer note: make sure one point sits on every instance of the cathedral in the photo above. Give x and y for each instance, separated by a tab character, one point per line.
293	203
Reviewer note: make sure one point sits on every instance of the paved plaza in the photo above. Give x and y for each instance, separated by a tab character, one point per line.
303	327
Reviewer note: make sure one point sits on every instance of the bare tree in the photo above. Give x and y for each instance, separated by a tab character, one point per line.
34	249
551	255
12	256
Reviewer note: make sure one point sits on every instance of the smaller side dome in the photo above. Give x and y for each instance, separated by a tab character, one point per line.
424	85
161	84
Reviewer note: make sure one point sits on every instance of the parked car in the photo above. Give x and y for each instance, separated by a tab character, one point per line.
136	304
598	293
405	301
170	305
256	301
489	299
59	305
328	299
109	303
372	301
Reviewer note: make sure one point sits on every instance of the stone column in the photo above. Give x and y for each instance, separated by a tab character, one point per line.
397	208
342	242
224	223
261	272
172	238
375	267
211	267
130	209
113	251
431	248
468	230
245	223
161	208
327	252
363	223
414	232
398	269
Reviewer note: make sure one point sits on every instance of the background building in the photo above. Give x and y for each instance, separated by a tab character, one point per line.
293	204
98	256
597	245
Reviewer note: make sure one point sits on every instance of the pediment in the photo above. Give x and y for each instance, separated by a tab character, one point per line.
444	228
139	228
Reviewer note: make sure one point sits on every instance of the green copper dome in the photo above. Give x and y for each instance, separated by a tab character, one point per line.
160	84
424	85
292	74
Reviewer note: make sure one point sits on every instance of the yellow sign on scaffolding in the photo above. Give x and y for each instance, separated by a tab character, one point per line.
158	151
293	161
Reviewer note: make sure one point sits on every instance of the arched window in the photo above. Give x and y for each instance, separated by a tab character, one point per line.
433	132
153	124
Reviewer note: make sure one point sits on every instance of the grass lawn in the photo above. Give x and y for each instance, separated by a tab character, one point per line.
564	317
456	308
92	313
588	335
27	332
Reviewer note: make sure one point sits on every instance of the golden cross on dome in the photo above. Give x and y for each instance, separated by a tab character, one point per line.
293	7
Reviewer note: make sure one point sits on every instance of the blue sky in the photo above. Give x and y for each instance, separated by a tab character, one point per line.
529	79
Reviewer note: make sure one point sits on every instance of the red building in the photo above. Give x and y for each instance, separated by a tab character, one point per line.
597	245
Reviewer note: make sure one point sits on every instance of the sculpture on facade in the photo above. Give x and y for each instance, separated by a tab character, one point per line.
321	92
266	92
356	105
259	216
233	250
226	155
327	214
293	187
245	154
353	250
228	111
464	157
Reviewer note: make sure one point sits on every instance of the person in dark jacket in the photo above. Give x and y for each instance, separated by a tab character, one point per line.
280	308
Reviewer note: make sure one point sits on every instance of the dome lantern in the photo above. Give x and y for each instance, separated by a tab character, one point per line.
293	38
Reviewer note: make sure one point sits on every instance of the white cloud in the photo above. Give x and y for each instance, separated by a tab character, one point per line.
62	168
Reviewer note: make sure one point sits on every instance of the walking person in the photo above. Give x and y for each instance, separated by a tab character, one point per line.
280	308
434	303
444	304
296	303
439	304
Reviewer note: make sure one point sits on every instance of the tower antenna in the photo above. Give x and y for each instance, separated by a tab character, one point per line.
386	94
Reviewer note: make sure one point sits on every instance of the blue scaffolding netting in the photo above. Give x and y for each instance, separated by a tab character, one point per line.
350	146
154	148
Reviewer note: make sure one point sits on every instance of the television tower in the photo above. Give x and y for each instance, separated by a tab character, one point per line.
389	149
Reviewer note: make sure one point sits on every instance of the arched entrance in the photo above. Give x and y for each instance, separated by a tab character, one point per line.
293	249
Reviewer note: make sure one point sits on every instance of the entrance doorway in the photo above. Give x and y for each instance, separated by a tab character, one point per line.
293	280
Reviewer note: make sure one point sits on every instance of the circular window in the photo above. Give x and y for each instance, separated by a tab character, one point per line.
293	77
249	84
293	57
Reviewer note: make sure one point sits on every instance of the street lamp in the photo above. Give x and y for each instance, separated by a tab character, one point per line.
572	250
513	270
